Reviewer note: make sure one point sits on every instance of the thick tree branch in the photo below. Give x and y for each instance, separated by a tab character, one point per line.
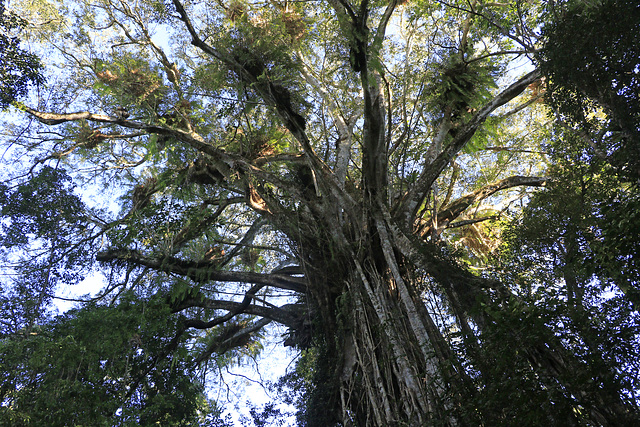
464	222
432	170
344	128
56	119
246	240
191	138
289	315
273	94
384	21
374	152
219	163
194	229
458	206
277	96
239	338
202	271
524	105
195	38
239	308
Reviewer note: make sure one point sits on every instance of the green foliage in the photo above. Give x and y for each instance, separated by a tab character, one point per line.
20	69
42	226
483	138
307	388
131	82
618	250
513	389
462	86
572	266
594	76
565	222
45	207
99	365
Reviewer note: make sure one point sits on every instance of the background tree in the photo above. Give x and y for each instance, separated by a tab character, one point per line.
593	79
594	94
342	169
88	365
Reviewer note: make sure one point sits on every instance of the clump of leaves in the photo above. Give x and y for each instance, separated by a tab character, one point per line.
460	87
131	81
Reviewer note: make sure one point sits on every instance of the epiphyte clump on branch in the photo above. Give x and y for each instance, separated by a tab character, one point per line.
121	113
